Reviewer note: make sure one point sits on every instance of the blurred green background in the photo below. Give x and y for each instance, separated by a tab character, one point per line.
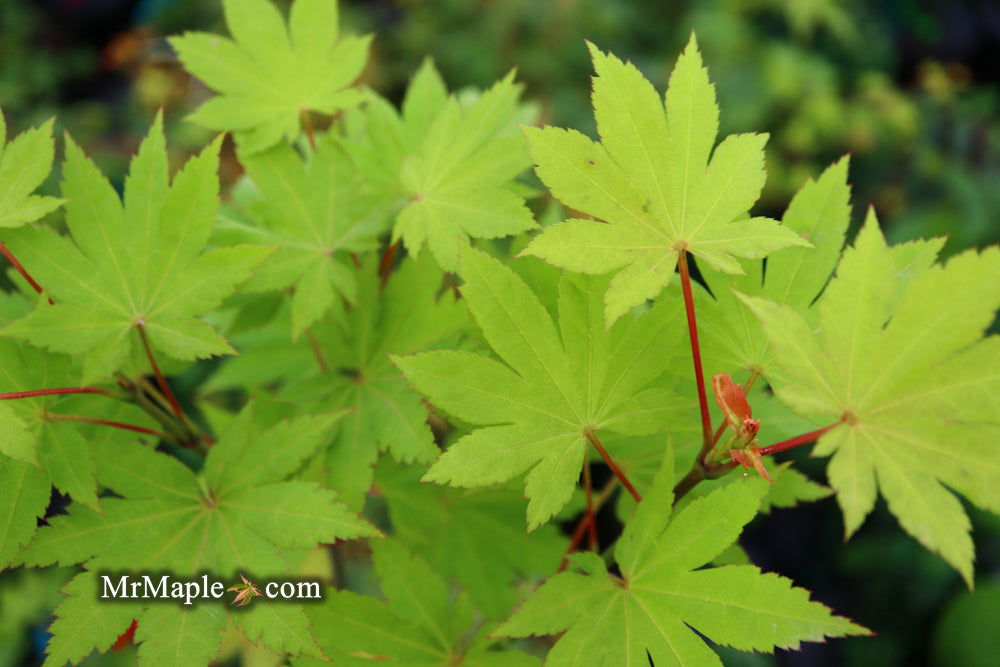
909	88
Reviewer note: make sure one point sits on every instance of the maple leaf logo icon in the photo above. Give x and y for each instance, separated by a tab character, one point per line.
245	592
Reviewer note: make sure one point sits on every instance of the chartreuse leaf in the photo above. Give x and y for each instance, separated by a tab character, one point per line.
268	74
906	374
240	517
664	591
653	184
313	211
24	164
552	386
732	338
446	166
141	264
409	315
419	623
476	538
457	183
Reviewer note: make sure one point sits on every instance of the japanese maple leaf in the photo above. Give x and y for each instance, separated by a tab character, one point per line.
907	378
731	337
409	315
137	265
418	624
648	613
39	448
240	514
447	165
315	213
554	387
653	185
473	537
40	445
267	75
24	164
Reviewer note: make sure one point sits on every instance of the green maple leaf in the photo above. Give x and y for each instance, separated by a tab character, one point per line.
27	490
267	75
172	635
238	516
32	432
312	211
24	164
731	337
653	184
905	371
38	450
645	614
385	414
555	385
446	166
178	636
84	623
419	623
140	264
476	537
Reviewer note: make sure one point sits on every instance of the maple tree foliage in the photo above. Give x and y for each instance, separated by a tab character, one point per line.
645	613
558	384
137	266
654	184
269	73
443	409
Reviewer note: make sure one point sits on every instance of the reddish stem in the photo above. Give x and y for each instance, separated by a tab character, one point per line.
592	437
160	380
106	422
706	420
591	518
581	526
317	351
20	269
385	264
307	123
50	392
803	439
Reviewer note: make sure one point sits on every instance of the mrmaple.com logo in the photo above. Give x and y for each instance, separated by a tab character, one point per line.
203	588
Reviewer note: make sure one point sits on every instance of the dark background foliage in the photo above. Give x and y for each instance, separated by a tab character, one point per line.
911	89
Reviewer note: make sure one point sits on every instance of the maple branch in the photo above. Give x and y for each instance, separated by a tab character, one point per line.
20	269
317	351
803	439
307	123
160	380
591	519
581	526
694	477
106	422
754	374
59	390
706	420
701	471
385	264
592	438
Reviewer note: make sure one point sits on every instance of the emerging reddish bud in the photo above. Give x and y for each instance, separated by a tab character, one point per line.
733	403
750	458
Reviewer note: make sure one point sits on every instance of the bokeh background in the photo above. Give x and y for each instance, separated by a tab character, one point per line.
910	89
